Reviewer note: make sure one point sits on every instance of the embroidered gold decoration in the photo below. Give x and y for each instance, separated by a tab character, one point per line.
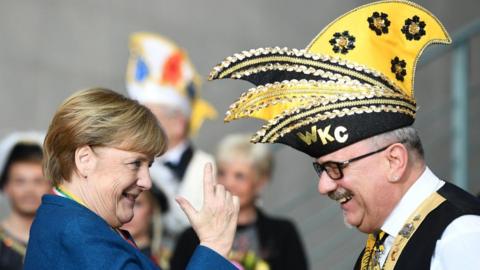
339	113
291	68
407	229
370	48
289	94
379	23
414	28
374	249
340	135
376	96
375	60
299	57
413	223
342	42
281	129
398	68
365	261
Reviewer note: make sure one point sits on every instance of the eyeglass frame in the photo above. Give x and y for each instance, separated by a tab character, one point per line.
340	165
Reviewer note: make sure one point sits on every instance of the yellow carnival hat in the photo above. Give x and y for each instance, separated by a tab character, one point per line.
160	72
353	81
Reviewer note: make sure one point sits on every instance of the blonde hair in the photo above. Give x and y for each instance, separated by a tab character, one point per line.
98	117
236	146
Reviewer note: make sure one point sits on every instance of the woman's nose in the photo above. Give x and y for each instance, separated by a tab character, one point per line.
144	179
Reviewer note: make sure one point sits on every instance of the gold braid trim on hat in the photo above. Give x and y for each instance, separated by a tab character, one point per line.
282	124
229	68
291	92
289	67
342	113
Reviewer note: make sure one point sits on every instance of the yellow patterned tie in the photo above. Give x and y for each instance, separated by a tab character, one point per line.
373	250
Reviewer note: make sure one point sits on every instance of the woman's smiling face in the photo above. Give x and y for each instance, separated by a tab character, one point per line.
115	180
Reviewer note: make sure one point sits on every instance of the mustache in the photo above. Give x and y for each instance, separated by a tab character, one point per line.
339	194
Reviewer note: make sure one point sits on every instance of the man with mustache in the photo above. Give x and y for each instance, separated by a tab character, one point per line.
347	101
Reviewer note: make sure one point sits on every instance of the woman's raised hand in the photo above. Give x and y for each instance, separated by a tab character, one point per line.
216	222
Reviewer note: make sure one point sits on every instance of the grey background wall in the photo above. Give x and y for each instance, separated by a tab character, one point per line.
51	48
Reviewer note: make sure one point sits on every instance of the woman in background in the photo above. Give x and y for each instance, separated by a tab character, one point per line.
146	226
23	183
261	242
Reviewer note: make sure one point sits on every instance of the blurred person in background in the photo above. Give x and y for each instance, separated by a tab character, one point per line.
23	183
347	100
162	78
146	226
261	242
97	152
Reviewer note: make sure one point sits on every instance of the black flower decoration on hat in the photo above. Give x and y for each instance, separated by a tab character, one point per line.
414	28
399	68
379	23
342	42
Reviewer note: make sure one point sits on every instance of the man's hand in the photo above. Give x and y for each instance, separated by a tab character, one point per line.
216	222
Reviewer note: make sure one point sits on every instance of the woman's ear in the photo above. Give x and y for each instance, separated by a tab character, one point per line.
397	156
84	161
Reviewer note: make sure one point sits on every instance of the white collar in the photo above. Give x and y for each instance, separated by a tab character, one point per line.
175	154
425	185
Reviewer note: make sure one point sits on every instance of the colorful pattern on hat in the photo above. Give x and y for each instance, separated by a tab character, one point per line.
160	72
353	81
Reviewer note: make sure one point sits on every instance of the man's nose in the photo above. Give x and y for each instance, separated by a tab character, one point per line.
326	184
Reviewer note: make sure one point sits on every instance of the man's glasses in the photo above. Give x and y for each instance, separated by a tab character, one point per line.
334	169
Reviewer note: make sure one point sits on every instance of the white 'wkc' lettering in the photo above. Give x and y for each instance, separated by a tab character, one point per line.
339	134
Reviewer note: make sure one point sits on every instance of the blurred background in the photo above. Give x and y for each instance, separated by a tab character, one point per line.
51	48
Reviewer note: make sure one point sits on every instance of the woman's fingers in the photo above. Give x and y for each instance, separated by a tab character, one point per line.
236	204
208	182
216	222
220	193
228	199
187	208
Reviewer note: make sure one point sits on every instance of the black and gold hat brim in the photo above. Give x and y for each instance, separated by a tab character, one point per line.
352	129
326	124
269	65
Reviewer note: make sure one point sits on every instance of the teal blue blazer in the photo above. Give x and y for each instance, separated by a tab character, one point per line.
66	235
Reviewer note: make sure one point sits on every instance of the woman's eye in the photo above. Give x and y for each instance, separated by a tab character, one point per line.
136	164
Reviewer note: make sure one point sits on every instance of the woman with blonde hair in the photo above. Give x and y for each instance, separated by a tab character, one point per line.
97	152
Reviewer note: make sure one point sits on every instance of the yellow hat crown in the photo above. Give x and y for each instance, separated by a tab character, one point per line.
399	32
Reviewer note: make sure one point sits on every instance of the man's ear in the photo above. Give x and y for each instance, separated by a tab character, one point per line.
397	156
84	160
